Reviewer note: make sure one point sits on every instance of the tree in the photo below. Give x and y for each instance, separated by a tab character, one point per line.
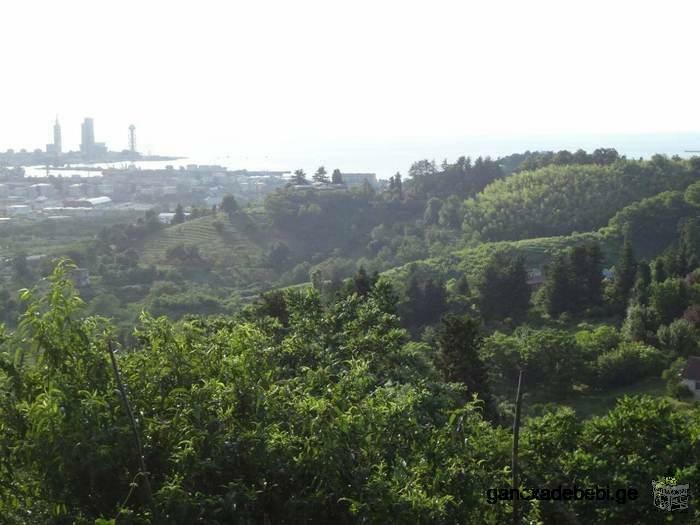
680	338
659	273
179	216
321	175
608	454
396	186
426	300
432	210
336	177
458	340
422	168
642	282
451	214
627	364
362	283
669	299
557	287
299	178
21	268
503	287
278	255
462	285
625	273
637	323
229	205
573	281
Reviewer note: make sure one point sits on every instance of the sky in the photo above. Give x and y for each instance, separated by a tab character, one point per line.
213	77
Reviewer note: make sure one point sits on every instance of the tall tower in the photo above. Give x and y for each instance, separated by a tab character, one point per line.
57	142
87	135
132	140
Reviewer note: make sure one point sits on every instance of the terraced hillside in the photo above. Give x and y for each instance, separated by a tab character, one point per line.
221	243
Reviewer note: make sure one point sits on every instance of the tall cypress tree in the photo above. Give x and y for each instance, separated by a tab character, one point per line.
458	341
640	292
179	216
625	273
659	273
503	287
557	289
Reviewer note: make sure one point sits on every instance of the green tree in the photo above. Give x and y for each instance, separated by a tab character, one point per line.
503	287
458	340
362	283
642	282
659	273
179	216
669	299
625	273
299	178
321	175
229	205
337	177
557	292
278	255
432	210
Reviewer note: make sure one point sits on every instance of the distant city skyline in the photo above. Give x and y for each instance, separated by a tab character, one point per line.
265	77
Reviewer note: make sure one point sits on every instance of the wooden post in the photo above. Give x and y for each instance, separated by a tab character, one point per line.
137	438
516	436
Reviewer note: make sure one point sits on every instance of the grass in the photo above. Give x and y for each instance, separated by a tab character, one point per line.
597	403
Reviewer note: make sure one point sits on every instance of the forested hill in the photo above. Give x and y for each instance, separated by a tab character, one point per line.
382	389
561	199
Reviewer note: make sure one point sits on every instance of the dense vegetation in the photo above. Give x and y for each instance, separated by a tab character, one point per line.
558	200
373	380
323	413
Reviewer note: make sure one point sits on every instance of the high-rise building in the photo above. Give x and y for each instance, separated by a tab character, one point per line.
87	136
57	141
132	140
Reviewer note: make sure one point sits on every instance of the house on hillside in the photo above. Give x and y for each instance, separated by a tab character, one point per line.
535	278
691	376
168	217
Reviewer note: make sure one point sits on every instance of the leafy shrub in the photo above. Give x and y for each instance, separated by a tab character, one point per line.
627	364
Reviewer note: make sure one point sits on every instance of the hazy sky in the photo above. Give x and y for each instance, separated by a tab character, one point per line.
217	76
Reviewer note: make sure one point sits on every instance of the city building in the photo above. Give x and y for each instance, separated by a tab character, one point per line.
88	147
87	137
57	147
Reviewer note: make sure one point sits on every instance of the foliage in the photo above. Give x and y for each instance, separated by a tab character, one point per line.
627	363
339	419
558	200
503	288
573	282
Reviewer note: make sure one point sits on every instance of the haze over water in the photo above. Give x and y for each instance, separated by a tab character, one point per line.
387	157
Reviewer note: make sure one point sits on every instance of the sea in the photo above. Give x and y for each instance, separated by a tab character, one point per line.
387	157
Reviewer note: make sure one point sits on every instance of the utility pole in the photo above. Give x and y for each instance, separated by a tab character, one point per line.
514	459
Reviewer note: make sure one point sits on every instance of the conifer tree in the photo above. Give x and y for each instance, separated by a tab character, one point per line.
458	341
625	273
321	175
557	287
179	216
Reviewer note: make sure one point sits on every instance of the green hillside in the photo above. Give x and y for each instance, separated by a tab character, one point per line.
651	225
221	244
559	200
